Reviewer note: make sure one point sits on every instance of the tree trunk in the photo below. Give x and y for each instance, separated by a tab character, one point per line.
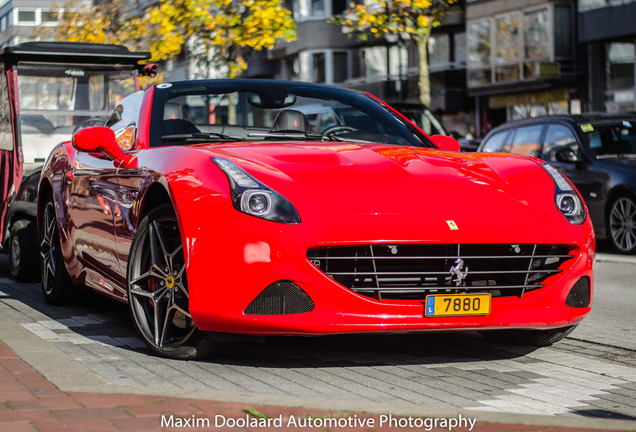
424	81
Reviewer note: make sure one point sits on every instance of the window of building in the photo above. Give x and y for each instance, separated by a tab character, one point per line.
50	17
621	76
507	49
26	16
526	44
479	44
536	37
460	49
438	51
3	24
324	66
479	53
316	9
593	4
318	65
340	67
563	30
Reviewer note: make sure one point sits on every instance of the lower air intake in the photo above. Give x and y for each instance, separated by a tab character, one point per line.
280	298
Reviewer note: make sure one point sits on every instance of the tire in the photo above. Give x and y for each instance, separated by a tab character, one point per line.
56	283
158	296
23	251
621	223
537	338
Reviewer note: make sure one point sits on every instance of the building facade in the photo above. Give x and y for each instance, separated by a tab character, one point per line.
492	61
523	59
610	47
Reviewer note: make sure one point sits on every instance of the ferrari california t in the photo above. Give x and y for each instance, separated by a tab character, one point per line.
223	208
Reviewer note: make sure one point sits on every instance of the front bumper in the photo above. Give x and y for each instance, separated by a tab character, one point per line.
229	266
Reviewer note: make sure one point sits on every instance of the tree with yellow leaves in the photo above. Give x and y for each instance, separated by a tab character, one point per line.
415	18
224	33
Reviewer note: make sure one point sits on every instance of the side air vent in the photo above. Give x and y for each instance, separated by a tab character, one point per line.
280	298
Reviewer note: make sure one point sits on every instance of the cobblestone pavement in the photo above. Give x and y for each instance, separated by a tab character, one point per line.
573	380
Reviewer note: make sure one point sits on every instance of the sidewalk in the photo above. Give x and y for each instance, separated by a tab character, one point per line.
29	402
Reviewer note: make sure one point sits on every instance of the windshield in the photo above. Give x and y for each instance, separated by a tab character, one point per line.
55	100
257	110
425	119
609	140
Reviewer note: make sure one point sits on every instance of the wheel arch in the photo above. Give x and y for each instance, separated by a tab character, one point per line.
621	189
155	195
44	189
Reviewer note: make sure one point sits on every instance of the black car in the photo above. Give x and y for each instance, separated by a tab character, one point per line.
597	152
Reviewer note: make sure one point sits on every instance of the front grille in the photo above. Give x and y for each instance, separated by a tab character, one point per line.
408	271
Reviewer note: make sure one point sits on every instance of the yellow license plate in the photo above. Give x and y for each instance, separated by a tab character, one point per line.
439	305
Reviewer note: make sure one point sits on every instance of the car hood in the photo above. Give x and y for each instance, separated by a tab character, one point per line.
356	179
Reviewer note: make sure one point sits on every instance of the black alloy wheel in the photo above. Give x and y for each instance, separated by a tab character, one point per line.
23	251
621	224
56	283
158	295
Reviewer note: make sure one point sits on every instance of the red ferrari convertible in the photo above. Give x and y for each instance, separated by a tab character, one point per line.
252	207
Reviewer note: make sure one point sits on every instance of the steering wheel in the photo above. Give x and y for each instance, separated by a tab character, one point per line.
338	130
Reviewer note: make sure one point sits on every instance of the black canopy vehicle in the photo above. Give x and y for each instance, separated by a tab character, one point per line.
47	91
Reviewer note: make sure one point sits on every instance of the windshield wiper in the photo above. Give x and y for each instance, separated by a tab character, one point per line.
304	135
200	135
289	135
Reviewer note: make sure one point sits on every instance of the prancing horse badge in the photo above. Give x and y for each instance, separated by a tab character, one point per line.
452	225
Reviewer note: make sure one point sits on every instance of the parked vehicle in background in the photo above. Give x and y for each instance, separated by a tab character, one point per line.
48	90
597	152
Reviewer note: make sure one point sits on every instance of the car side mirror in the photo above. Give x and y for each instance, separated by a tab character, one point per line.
101	140
566	154
446	143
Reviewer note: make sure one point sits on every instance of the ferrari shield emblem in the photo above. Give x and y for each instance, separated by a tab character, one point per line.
452	225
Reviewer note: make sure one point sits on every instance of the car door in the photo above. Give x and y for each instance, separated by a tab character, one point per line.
562	149
92	208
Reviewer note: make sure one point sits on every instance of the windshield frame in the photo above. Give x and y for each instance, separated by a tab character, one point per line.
279	95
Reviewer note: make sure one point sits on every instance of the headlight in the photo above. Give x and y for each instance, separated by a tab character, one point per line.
566	198
254	198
